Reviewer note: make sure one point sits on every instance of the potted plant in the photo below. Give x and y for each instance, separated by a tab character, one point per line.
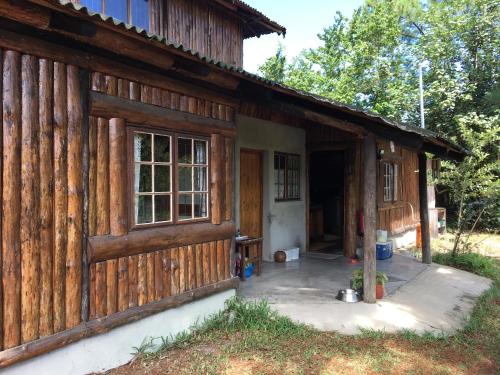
357	282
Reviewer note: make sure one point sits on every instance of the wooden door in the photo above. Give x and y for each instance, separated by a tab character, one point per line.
251	193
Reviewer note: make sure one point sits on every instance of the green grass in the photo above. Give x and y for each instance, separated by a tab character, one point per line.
472	262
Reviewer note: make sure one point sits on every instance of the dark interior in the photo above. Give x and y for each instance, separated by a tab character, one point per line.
326	189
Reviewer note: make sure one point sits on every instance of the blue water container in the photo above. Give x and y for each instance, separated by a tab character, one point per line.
384	250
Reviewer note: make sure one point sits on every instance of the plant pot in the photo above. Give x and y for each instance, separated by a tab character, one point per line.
379	291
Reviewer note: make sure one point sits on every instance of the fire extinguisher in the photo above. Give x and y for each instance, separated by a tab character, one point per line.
361	224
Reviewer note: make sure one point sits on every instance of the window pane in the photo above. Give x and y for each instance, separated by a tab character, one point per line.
95	5
162	208
162	178
140	14
185	179
117	9
142	147
143	209
184	151
200	179
143	178
162	149
185	206
200	205
200	151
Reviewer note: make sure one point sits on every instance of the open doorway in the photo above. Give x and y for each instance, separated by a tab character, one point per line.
326	194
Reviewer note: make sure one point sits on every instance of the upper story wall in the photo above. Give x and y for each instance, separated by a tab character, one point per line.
210	28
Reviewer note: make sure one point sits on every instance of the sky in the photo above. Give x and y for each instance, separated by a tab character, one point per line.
303	19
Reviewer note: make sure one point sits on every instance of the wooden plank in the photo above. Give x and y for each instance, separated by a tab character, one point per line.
158	275
206	263
199	265
132	280
216	161
103	224
118	177
174	270
46	73
92	297
92	210
227	257
11	199
229	177
75	201
350	204
145	114
213	261
370	212
424	211
123	291
30	180
150	272
101	290
220	260
148	240
167	279
142	287
60	193
100	326
191	266
183	271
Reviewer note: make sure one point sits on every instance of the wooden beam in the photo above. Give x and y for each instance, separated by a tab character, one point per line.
118	176
351	202
144	241
424	208
108	106
370	217
103	325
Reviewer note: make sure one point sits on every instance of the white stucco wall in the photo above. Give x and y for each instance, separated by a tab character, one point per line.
114	348
284	223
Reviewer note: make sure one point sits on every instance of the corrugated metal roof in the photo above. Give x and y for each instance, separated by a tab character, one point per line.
424	133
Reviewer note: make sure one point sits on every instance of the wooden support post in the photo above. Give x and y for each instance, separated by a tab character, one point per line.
424	211
370	216
350	203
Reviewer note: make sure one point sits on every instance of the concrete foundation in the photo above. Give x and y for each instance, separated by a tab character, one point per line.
114	348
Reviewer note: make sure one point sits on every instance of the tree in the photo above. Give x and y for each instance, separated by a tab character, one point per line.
371	61
274	67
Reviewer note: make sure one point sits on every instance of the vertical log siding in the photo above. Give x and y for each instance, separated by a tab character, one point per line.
63	177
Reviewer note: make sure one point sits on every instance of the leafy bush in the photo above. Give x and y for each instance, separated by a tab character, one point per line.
472	262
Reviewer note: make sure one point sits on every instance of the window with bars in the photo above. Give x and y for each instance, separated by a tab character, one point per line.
286	176
133	12
390	180
159	159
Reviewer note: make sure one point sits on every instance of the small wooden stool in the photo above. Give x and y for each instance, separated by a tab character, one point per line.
250	248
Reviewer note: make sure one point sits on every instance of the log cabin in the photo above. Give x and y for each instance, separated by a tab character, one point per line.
134	146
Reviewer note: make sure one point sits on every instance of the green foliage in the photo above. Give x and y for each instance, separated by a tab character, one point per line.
357	278
371	61
274	67
472	262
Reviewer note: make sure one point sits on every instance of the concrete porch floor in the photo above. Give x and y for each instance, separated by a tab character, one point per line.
418	297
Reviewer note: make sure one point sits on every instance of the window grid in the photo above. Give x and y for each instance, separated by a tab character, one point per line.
389	172
287	176
193	191
153	194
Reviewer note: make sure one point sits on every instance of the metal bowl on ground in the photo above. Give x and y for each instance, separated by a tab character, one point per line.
348	295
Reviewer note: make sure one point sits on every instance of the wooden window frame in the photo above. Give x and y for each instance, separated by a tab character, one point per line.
286	197
174	171
397	183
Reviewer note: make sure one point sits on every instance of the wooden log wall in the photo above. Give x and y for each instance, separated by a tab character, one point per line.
403	214
64	180
42	200
201	27
126	282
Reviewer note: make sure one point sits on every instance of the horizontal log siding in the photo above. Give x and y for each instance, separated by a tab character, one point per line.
41	223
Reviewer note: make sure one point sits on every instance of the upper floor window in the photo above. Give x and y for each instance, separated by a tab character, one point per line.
134	12
170	178
286	176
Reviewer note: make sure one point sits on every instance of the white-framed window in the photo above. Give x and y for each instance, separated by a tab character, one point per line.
390	180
